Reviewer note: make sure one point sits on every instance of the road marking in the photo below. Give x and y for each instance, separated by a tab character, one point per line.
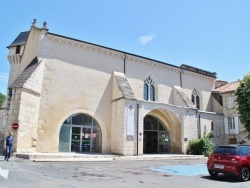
4	173
184	170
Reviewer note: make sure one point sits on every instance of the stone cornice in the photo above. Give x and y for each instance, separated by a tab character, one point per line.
82	44
14	59
193	74
153	63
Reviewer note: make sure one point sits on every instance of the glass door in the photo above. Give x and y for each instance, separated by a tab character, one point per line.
76	139
163	142
86	139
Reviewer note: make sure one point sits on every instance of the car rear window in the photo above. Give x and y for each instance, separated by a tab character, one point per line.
244	150
226	150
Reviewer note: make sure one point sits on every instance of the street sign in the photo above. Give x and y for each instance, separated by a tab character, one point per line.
15	126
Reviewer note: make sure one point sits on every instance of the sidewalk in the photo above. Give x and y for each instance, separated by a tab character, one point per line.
78	157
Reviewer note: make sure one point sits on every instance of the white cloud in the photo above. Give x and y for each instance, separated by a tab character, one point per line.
3	77
147	38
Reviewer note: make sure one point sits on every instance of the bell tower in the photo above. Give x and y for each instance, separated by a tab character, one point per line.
16	49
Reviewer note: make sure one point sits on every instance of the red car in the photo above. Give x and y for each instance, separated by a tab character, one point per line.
231	160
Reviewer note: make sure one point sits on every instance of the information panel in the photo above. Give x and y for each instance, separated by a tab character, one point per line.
130	122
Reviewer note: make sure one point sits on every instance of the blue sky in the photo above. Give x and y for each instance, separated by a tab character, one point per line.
209	34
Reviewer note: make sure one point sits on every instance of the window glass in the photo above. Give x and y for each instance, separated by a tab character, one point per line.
64	138
95	123
67	121
80	119
198	102
152	93
162	127
154	122
231	124
145	92
147	124
195	99
226	150
149	89
192	99
244	150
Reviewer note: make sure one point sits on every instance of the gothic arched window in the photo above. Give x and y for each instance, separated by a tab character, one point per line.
149	89
196	99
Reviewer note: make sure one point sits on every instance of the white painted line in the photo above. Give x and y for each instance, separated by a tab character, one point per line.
4	173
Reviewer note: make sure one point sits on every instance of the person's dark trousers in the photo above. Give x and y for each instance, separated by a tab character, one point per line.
7	152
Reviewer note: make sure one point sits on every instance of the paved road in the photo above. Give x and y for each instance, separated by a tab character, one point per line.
124	174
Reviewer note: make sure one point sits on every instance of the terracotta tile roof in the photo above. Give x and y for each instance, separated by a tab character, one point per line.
229	87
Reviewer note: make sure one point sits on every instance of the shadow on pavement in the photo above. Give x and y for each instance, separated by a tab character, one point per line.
222	178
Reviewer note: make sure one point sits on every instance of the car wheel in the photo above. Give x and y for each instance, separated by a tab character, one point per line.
244	174
213	174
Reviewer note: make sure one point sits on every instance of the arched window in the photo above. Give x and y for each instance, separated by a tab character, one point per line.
149	89
152	93
80	133
196	99
145	92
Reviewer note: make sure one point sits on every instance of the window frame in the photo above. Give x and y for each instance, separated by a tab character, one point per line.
230	102
149	89
195	98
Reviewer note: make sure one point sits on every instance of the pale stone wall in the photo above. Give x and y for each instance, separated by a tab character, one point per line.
3	121
203	84
218	132
13	114
14	72
120	143
118	127
31	47
217	107
15	63
24	108
163	75
28	120
101	59
70	88
178	99
190	127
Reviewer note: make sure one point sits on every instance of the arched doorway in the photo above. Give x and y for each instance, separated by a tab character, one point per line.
155	137
80	133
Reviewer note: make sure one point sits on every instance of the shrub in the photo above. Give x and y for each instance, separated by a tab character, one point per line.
203	146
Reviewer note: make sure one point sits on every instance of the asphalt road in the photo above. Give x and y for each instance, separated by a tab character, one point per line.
111	174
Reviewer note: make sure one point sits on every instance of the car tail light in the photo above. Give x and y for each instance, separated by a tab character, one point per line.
209	158
235	160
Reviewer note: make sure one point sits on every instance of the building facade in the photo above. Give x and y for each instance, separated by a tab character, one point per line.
234	131
69	95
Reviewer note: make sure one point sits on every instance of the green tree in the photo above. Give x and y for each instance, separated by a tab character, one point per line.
242	94
2	98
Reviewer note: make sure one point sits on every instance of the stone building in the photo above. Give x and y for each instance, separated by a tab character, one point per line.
69	95
234	131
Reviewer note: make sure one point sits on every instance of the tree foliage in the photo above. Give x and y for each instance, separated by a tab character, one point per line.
2	98
242	94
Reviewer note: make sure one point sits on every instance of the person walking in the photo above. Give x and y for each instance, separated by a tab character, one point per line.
8	146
